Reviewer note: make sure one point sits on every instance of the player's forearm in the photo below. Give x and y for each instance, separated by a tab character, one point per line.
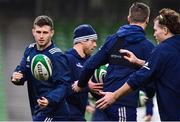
124	90
57	94
84	77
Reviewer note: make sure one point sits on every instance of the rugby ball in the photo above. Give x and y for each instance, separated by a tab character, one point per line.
100	73
41	67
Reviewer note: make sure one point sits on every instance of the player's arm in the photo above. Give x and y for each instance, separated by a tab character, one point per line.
95	61
100	58
95	87
18	77
61	76
43	102
110	97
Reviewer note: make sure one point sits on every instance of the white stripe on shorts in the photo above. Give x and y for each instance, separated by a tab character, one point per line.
122	114
48	119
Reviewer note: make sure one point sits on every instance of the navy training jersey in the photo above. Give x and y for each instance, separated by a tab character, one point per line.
54	89
164	66
117	74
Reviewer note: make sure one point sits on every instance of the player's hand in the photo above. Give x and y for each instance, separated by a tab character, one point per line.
16	77
43	102
90	109
75	87
128	55
106	101
147	118
95	87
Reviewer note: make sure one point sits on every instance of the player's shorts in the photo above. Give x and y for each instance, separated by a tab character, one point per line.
121	113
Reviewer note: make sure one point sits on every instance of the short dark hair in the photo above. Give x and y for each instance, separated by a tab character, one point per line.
43	20
139	12
170	19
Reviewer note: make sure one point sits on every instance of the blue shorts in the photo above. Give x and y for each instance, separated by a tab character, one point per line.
121	113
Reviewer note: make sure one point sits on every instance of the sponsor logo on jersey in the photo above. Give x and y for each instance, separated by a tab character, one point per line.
116	56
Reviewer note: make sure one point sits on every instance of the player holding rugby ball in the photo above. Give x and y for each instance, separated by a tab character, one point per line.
44	68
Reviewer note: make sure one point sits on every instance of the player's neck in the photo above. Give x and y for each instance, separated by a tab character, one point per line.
39	47
142	25
79	50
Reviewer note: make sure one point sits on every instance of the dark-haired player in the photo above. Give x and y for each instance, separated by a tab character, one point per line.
47	97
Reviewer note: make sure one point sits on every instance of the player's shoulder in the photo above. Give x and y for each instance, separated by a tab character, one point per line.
55	50
29	48
162	47
58	55
32	45
109	42
112	37
147	43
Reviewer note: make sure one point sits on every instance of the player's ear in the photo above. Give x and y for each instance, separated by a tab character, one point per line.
33	31
129	18
52	32
147	20
166	30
